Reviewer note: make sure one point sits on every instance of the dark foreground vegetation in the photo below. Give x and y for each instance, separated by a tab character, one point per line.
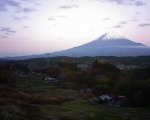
65	90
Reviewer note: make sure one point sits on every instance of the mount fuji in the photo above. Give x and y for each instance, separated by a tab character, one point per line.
112	40
109	44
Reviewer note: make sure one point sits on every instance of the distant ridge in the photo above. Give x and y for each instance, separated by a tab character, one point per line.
109	44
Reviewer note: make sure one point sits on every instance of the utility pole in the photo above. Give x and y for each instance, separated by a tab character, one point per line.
73	57
47	59
102	57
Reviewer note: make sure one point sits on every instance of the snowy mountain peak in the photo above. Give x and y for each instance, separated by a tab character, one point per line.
111	36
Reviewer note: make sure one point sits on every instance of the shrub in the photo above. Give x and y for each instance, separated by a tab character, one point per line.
44	100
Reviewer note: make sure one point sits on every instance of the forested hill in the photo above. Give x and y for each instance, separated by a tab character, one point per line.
52	61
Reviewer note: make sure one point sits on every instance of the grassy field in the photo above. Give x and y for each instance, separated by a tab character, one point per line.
34	99
79	110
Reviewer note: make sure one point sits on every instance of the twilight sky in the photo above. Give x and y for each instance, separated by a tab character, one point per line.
40	26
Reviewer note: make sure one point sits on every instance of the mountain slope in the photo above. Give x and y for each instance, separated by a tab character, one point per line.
108	44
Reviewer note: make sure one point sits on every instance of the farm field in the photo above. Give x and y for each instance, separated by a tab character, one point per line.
33	98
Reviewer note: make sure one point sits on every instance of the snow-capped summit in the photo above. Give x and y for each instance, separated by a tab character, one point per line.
110	36
112	40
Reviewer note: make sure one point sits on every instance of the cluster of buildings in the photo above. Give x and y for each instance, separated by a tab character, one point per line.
128	67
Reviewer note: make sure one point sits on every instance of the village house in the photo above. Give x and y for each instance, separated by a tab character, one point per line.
51	80
83	66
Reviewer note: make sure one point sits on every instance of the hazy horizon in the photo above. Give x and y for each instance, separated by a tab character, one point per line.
43	26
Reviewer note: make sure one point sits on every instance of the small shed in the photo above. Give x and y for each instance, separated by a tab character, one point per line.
121	100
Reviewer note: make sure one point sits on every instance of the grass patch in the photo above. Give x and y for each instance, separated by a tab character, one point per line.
79	110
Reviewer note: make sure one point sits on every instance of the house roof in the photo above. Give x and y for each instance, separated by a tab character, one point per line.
105	97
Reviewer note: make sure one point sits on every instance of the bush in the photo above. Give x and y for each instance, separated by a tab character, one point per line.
29	108
44	100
